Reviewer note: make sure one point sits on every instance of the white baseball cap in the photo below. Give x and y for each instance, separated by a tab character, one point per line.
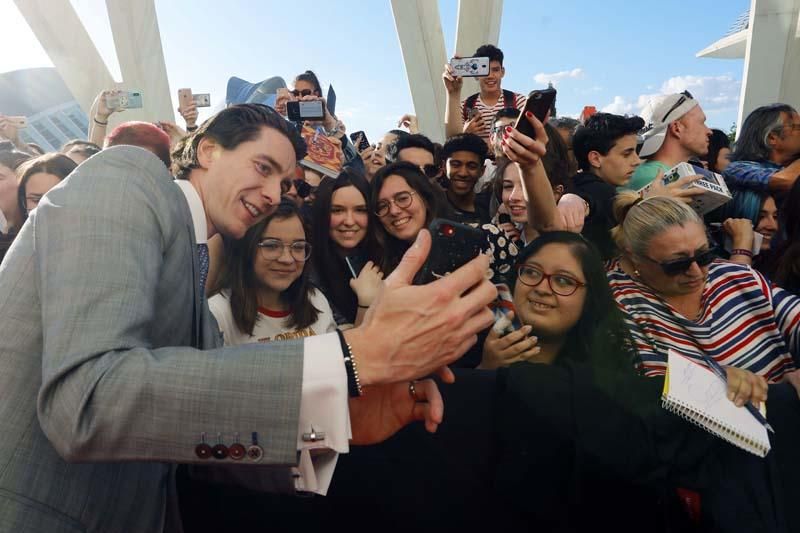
658	114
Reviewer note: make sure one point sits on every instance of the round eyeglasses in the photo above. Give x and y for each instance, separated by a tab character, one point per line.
402	200
272	249
560	284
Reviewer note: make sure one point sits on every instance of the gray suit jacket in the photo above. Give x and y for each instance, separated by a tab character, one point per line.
110	365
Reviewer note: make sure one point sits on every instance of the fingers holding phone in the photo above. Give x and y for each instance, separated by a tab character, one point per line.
452	82
475	124
367	284
522	149
502	350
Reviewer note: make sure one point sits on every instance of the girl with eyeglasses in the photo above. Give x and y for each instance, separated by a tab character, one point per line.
405	202
266	294
345	241
677	295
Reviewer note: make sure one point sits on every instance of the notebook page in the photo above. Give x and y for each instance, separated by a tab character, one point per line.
698	388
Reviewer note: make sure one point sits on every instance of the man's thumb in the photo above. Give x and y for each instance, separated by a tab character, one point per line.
412	261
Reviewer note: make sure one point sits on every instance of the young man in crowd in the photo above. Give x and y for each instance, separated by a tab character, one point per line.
767	153
420	151
111	366
676	132
475	114
505	117
605	149
464	157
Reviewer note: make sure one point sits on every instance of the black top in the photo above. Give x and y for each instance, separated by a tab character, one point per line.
600	196
478	217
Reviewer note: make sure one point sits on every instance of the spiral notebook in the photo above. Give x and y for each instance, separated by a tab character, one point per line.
698	395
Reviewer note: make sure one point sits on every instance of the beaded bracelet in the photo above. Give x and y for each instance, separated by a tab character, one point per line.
353	382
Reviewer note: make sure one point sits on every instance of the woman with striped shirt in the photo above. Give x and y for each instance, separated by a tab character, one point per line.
676	295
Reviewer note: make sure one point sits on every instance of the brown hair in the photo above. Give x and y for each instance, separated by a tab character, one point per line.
58	165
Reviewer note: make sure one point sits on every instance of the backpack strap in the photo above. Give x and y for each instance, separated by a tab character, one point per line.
469	103
508	96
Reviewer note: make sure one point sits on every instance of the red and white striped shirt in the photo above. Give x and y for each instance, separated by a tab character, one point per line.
488	113
744	322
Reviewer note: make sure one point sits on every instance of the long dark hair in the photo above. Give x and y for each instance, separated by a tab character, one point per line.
329	266
753	141
392	247
239	277
56	164
787	270
601	323
716	142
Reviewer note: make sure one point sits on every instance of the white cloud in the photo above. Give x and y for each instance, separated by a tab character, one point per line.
714	93
556	77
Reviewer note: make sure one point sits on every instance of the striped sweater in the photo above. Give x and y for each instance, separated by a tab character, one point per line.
744	322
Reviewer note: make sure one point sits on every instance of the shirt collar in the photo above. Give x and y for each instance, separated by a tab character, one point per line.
197	210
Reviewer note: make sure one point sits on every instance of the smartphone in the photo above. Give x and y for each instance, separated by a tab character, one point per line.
453	245
470	67
538	103
18	122
310	110
354	264
184	97
364	144
502	307
202	99
125	100
504	218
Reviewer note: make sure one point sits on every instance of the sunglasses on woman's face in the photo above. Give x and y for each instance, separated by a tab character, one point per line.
304	92
680	266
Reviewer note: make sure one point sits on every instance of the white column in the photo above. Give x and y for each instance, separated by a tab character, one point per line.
419	30
137	39
772	59
65	40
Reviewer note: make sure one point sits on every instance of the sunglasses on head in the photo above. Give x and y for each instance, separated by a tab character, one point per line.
304	92
680	266
304	190
685	95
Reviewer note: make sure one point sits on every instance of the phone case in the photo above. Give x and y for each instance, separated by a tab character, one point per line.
184	97
470	67
453	245
364	144
538	103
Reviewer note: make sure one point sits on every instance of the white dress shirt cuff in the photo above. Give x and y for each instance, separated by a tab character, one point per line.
324	414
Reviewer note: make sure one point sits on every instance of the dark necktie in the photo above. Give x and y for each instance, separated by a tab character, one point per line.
202	255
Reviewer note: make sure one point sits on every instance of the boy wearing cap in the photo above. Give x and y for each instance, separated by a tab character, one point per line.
675	133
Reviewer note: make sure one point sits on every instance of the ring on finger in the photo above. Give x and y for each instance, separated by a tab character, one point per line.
412	390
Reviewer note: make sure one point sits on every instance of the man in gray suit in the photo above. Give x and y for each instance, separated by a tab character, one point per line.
111	369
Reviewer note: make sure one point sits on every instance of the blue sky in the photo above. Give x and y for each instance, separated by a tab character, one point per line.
610	54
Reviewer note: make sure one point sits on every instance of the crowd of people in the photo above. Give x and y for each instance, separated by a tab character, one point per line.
216	297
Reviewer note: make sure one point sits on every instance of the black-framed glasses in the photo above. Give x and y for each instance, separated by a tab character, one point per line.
304	92
272	249
402	200
430	171
560	284
685	95
680	266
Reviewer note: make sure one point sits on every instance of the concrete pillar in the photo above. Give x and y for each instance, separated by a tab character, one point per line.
419	30
65	40
478	24
772	58
137	39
